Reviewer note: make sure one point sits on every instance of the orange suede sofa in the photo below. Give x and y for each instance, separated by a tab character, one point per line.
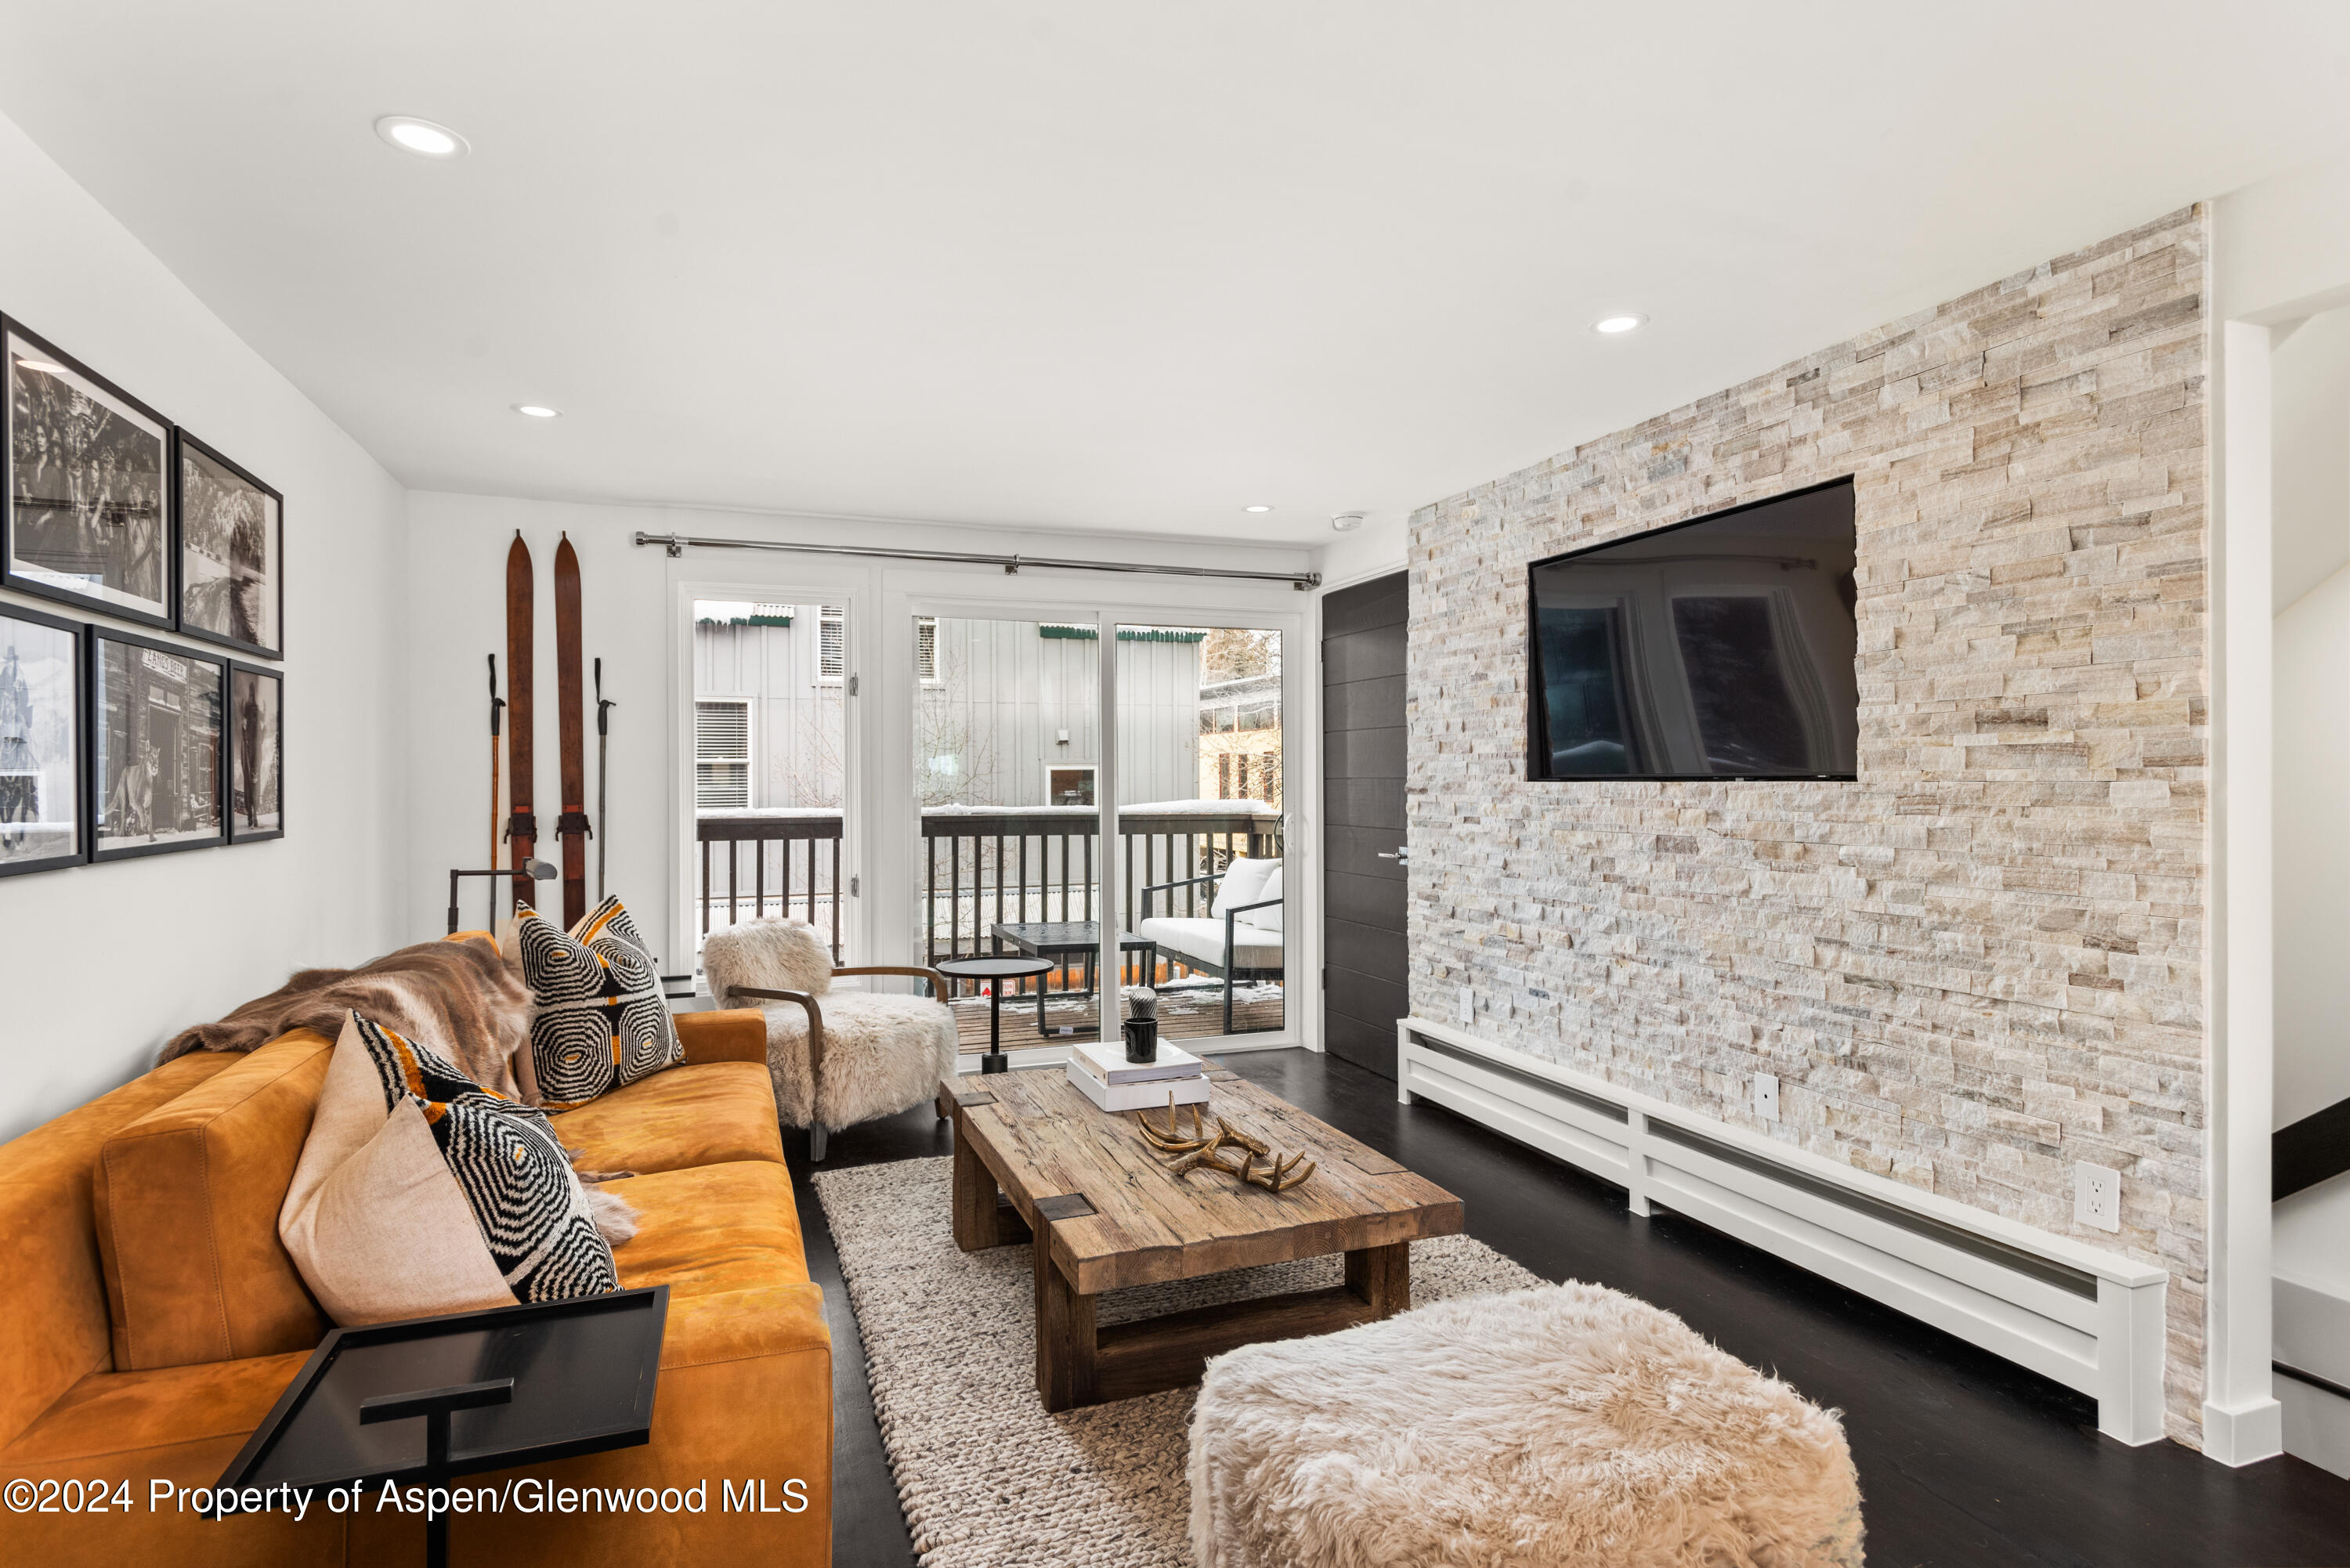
149	1319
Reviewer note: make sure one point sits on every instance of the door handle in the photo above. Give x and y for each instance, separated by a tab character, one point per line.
1404	854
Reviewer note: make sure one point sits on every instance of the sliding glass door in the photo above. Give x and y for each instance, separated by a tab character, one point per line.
771	765
1201	783
1006	719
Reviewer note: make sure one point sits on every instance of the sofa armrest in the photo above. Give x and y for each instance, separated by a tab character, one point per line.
734	1035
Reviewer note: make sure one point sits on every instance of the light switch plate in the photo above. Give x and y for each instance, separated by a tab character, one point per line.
1766	1095
2098	1196
1468	1007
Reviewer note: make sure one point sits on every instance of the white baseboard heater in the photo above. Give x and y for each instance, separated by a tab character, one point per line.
2089	1319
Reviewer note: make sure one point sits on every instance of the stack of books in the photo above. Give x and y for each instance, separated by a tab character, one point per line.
1113	1083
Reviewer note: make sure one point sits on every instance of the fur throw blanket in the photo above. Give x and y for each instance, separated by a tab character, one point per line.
461	999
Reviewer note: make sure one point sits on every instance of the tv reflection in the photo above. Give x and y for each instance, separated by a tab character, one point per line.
1721	649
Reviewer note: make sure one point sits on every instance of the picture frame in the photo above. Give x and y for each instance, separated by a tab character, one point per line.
44	773
158	763
256	752
85	481
229	531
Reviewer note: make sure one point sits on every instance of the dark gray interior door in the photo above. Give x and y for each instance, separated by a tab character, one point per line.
1362	821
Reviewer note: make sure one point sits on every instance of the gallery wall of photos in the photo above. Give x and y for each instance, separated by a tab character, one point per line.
114	743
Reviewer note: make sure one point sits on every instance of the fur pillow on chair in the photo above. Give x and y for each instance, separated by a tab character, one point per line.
773	955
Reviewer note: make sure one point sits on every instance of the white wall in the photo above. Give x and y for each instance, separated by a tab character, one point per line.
103	962
2313	862
2310	404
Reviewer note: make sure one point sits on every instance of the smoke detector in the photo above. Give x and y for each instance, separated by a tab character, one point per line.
1348	521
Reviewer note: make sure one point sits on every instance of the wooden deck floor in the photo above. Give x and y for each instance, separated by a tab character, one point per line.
1184	1014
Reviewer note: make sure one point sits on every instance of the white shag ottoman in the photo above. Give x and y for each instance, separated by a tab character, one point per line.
1569	1427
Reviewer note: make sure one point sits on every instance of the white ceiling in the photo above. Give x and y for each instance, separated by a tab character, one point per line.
1114	266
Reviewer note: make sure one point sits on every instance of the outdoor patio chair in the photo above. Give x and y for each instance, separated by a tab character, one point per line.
1238	940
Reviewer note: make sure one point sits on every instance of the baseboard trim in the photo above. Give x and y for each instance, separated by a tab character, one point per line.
2244	1436
2089	1319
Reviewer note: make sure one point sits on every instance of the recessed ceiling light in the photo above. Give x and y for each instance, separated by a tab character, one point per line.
1620	321
422	137
1256	508
538	411
42	366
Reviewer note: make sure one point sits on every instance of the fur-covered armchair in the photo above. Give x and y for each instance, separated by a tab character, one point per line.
848	1057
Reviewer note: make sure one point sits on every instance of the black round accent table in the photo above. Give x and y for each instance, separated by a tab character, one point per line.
997	969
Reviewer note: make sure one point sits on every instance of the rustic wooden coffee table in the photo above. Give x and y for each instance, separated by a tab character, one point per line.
1036	1161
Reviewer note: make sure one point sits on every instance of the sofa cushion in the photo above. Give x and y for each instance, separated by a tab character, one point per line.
419	1192
1201	938
54	1327
713	1228
713	1113
1243	883
185	1201
1266	914
598	1019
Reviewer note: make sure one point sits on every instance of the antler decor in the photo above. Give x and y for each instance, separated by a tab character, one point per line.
1202	1148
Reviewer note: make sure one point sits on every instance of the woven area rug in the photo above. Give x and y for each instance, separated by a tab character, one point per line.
988	1480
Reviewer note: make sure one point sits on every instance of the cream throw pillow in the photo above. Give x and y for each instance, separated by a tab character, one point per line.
1243	883
419	1192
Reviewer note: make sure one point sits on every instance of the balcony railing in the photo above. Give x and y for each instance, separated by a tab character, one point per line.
981	866
771	839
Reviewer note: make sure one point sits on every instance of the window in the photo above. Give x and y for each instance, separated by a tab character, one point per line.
1069	787
832	644
1244	780
926	648
722	754
1224	777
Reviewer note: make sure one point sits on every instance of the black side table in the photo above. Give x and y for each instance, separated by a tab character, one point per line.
998	969
426	1400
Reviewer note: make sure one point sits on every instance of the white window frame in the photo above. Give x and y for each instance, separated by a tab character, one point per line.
750	749
1051	768
827	618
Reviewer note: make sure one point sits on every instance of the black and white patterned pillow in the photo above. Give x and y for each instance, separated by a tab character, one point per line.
528	1201
597	1020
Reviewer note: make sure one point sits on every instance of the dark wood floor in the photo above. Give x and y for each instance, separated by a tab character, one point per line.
1964	1458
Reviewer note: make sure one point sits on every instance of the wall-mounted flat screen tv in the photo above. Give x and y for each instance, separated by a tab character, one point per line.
1717	648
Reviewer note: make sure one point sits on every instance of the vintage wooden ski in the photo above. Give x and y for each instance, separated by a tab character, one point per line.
522	826
572	825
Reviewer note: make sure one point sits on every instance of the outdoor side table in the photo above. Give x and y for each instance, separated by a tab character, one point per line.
997	971
426	1400
1061	939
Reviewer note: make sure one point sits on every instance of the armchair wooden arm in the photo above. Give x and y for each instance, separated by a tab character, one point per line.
938	982
814	1016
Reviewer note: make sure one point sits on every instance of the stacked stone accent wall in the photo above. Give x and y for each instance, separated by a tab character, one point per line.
1983	961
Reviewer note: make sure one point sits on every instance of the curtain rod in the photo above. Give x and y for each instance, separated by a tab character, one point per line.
676	544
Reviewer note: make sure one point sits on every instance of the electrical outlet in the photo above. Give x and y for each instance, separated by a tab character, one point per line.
1766	1095
2098	1196
1468	1007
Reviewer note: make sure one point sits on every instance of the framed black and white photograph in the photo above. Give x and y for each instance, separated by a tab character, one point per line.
41	794
157	762
257	754
232	551
88	476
